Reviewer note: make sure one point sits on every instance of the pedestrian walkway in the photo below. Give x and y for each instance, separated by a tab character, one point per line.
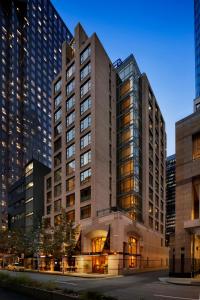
181	281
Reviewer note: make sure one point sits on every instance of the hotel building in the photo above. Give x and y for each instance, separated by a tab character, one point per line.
108	158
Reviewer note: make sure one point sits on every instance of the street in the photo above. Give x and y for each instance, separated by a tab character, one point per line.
143	286
6	295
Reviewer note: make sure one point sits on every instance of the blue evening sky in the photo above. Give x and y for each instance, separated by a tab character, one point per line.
160	35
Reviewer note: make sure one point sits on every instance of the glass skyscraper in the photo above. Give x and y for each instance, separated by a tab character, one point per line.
32	34
197	45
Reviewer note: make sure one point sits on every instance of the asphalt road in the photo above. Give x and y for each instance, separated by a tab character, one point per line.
143	286
6	295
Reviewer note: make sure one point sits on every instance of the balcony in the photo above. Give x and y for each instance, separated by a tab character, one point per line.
193	225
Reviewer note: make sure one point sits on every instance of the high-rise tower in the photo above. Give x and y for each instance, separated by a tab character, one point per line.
30	52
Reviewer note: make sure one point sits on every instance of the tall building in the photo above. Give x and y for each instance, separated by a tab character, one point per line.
170	196
197	46
32	34
185	249
185	245
26	198
97	106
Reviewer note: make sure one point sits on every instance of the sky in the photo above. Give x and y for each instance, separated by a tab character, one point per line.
159	33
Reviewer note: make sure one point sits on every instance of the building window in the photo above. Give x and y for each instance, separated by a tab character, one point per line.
86	194
57	205
70	151
85	88
57	175
49	197
151	222
70	184
29	169
85	158
70	135
156	226
70	167
70	87
85	176
57	190
57	86
70	200
48	209
57	101
98	244
85	54
85	123
70	103
57	144
85	212
57	129
48	183
70	71
57	220
85	105
150	208
29	185
57	115
196	145
57	160
85	71
70	216
85	140
132	250
70	118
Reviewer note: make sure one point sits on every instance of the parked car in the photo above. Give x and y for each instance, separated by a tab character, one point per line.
15	267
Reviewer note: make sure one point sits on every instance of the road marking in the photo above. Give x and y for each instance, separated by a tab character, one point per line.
173	297
66	282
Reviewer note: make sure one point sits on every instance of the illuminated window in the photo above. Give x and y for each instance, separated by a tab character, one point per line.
29	185
70	184
70	216
196	146
126	87
98	244
70	200
132	250
29	169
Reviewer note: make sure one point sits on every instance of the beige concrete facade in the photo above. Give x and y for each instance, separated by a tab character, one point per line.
185	246
111	241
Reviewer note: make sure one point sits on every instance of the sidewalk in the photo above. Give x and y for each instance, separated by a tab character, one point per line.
181	281
74	274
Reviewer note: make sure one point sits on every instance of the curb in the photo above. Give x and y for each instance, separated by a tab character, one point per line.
190	282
